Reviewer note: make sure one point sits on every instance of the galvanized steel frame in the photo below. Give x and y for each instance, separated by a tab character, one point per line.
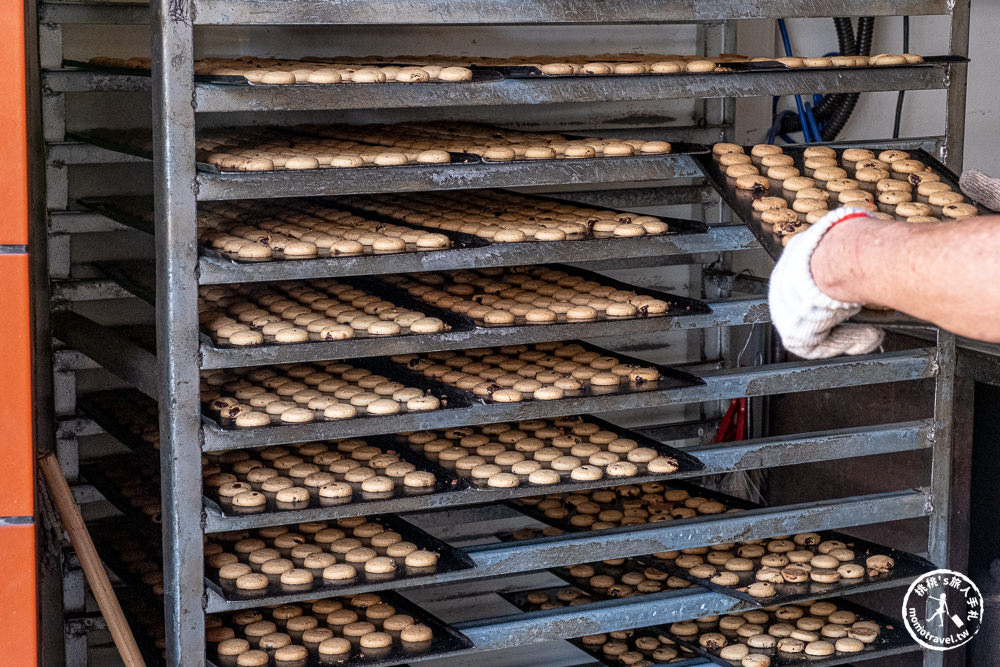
179	269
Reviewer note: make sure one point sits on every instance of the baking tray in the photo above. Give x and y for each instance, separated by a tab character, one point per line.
687	463
679	306
741	201
908	566
94	473
531	72
676	148
892	639
675	225
446	483
670	378
564	524
450	397
520	600
137	276
446	640
449	560
478	76
775	66
137	212
616	571
96	406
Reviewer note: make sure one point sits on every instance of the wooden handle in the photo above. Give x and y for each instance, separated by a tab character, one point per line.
93	568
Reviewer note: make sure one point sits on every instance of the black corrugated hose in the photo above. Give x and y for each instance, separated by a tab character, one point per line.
834	110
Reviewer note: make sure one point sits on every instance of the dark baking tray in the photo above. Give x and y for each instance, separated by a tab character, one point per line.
686	462
670	378
741	201
677	225
93	473
519	600
450	560
450	397
478	76
680	306
91	405
446	640
456	159
635	564
908	566
104	138
446	483
892	639
730	502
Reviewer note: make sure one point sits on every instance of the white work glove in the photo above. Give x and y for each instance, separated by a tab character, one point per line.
981	188
808	321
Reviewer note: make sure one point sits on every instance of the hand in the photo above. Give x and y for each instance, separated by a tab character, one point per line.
808	321
981	188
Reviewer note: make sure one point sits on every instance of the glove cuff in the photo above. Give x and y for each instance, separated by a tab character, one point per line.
811	291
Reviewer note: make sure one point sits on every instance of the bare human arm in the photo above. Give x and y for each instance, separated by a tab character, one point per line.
947	273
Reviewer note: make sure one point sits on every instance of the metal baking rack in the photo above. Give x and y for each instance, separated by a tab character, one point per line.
172	373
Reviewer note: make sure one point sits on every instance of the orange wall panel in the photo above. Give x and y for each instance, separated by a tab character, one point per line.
14	138
17	492
18	622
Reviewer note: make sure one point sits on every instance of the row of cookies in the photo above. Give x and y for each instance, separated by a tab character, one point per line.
543	371
509	217
628	505
299	393
331	630
820	628
304	228
534	294
756	566
300	311
277	559
440	68
539	452
322	473
621	578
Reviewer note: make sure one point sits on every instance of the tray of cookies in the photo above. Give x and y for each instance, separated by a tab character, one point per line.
130	482
620	578
627	505
368	630
545	452
543	372
643	646
779	191
128	415
288	229
825	632
796	567
254	397
502	216
325	557
320	474
320	310
540	294
254	71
